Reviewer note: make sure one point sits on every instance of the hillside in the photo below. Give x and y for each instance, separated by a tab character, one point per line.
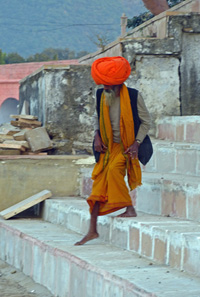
30	26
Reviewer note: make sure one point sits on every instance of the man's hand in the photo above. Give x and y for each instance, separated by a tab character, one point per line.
99	146
133	150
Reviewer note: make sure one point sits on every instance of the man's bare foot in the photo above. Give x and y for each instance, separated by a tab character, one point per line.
87	237
130	212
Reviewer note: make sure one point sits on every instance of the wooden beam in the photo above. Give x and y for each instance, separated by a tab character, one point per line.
12	146
25	204
23	116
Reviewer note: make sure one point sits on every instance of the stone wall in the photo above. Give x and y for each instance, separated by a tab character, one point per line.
63	99
165	70
163	53
11	74
24	176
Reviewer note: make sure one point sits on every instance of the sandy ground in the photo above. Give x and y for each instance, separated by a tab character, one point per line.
14	283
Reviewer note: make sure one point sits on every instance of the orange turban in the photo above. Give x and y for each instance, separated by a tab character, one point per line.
110	71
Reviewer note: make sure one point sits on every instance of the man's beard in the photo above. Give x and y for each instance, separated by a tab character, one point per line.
109	96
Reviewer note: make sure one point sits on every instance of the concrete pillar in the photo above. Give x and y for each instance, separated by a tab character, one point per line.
123	24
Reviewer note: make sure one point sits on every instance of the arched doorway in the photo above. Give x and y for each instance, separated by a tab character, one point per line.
8	107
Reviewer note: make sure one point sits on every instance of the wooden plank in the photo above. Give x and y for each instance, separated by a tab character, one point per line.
12	146
21	142
38	139
24	116
9	152
25	204
8	129
31	122
5	137
20	135
34	154
25	125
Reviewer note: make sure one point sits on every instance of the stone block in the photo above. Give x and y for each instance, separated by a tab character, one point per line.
146	245
165	159
175	251
180	132
78	275
149	198
2	243
104	229
159	250
119	236
38	139
62	277
38	263
174	203
111	289
85	224
192	132
27	256
160	245
62	218
191	254
49	270
193	207
186	161
166	131
10	247
18	258
134	239
93	284
74	221
52	215
198	163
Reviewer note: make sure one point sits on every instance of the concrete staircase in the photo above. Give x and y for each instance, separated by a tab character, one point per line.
155	254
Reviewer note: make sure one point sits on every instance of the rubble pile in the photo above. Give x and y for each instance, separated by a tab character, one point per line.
24	135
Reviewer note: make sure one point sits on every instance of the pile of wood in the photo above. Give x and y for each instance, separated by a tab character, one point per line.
24	136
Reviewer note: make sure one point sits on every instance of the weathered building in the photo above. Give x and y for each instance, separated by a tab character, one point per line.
10	75
163	53
63	100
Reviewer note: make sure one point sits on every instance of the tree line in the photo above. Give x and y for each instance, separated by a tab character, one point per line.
48	54
51	54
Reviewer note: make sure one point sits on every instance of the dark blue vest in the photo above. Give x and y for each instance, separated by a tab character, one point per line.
133	94
145	149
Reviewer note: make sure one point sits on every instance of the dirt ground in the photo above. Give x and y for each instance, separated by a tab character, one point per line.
14	283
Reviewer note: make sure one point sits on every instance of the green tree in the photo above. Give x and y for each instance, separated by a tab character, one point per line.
81	54
13	58
174	2
138	20
2	57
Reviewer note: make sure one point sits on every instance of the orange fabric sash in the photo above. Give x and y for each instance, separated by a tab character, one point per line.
127	136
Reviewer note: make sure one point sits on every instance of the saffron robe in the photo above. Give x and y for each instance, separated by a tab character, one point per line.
109	187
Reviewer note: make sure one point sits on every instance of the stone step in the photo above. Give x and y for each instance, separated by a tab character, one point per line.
46	253
174	157
179	128
165	240
175	195
169	195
